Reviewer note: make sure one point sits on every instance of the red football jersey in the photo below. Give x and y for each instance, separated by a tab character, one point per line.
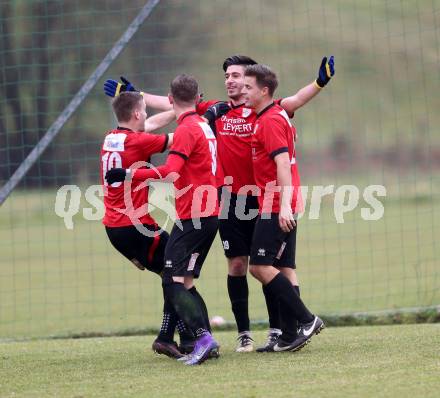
196	193
234	131
121	148
272	135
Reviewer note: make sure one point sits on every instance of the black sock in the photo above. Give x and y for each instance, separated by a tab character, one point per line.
186	306
169	322
292	309
273	309
202	305
296	287
293	333
238	294
185	334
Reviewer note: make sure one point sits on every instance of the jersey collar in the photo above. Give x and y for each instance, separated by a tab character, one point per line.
237	106
184	115
266	109
123	128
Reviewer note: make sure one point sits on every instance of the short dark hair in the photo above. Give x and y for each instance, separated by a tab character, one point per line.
264	76
124	105
238	60
184	88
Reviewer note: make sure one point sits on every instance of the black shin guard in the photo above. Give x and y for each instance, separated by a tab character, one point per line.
202	305
187	307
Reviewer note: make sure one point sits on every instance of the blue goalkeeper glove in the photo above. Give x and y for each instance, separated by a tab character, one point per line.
326	71
113	88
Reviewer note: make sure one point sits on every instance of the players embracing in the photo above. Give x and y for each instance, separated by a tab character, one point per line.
234	132
240	194
191	165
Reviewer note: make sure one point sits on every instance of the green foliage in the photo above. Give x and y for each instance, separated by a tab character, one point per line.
381	101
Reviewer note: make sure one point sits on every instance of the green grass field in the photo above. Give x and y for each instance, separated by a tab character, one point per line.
385	361
374	124
382	102
55	281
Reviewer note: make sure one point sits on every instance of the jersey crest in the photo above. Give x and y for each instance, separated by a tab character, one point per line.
114	142
246	112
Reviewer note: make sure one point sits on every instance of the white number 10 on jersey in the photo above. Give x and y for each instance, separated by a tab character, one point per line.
109	161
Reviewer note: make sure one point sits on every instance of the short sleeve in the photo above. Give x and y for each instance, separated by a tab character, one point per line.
203	106
183	142
151	143
273	136
278	102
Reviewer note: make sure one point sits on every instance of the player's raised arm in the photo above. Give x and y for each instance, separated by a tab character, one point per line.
158	102
304	95
214	112
159	120
113	88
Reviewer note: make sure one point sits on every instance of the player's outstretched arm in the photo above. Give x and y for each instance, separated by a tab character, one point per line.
113	88
168	172
158	102
159	120
304	95
214	112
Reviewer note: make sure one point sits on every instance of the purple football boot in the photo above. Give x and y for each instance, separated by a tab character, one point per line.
202	349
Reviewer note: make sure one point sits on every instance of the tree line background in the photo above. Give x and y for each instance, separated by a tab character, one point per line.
379	115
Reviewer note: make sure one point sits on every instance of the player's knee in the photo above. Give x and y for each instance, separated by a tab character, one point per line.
188	282
237	266
256	271
290	274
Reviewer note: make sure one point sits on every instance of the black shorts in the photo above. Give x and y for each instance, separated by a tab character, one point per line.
187	248
272	246
236	232
143	251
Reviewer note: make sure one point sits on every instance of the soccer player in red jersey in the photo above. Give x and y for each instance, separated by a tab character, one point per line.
129	226
191	165
237	223
240	205
274	239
